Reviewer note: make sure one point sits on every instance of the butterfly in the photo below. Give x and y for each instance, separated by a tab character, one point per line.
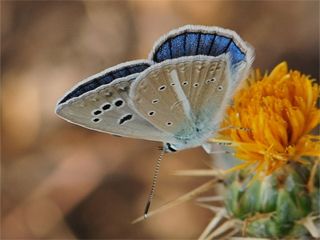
177	96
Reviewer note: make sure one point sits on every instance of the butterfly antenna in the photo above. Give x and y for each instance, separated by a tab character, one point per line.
154	182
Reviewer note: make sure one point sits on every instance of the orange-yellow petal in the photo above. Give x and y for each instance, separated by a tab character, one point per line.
280	110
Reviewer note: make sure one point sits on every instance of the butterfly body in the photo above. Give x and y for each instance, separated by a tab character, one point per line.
178	96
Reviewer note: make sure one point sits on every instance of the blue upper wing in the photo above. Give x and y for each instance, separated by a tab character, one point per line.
199	40
106	77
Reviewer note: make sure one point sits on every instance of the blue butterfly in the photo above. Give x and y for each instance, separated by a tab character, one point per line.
177	96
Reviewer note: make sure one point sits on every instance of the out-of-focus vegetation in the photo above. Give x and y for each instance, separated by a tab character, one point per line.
62	181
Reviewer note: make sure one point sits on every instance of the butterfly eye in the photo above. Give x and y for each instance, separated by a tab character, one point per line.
220	88
185	83
169	123
154	101
171	148
196	84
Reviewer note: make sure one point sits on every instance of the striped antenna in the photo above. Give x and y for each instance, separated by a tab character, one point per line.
154	182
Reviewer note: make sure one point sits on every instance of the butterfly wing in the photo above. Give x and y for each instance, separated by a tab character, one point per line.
193	40
102	103
233	60
198	69
177	94
158	96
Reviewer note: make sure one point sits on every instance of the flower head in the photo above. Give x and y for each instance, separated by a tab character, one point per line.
279	110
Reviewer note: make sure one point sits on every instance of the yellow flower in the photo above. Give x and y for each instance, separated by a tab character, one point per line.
279	110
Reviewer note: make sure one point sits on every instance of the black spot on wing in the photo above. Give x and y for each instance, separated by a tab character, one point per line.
125	118
106	106
105	78
119	103
97	112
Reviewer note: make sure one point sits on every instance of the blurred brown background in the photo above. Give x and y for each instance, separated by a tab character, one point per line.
62	181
